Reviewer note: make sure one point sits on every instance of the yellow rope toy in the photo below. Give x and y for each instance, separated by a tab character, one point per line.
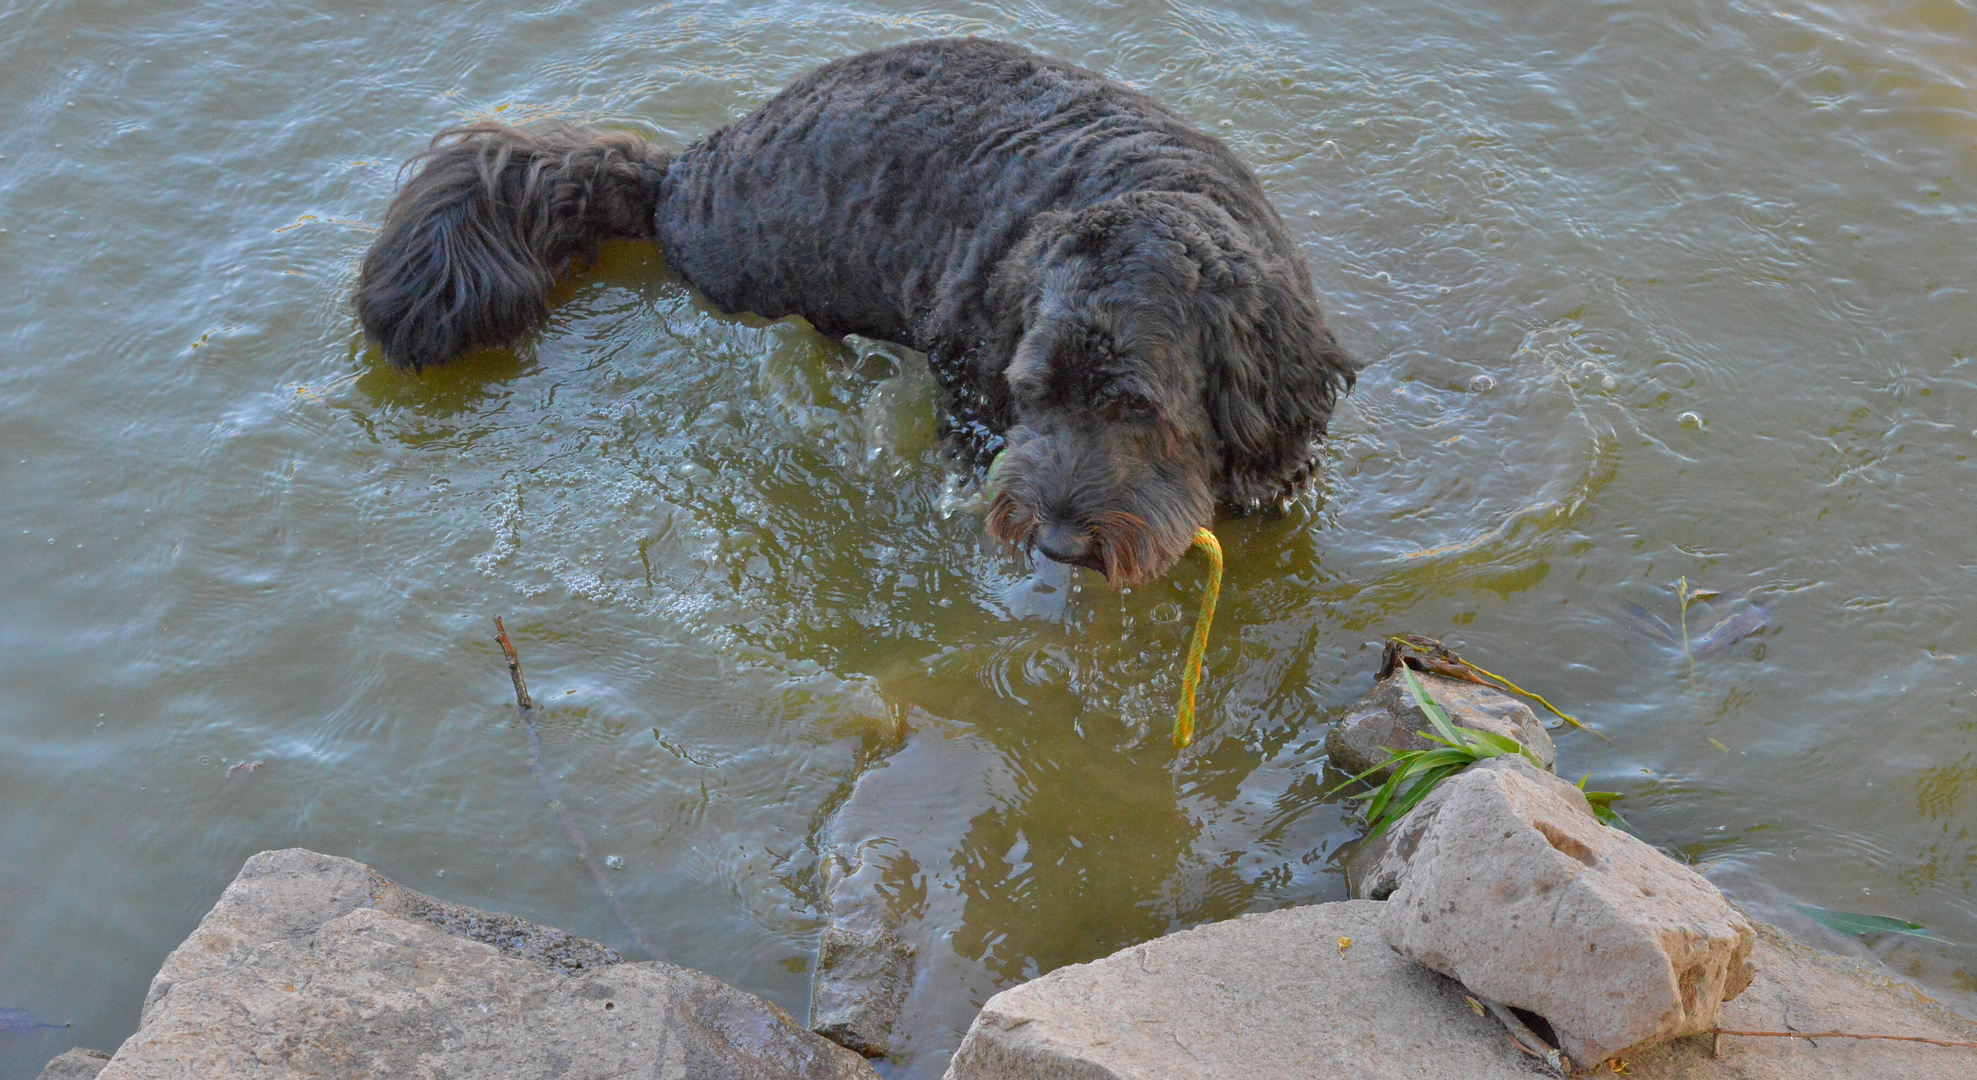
1191	674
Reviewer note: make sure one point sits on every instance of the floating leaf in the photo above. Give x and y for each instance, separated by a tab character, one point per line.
1847	922
1719	746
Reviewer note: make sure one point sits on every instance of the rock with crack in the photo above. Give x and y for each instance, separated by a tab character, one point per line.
1510	885
1387	719
315	966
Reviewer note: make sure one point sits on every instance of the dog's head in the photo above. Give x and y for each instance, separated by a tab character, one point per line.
1165	362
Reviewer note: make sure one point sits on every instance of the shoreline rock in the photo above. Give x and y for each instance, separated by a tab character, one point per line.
316	966
75	1064
1276	997
313	966
1387	718
1310	993
1516	889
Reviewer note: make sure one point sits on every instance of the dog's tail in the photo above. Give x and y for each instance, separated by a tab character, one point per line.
474	242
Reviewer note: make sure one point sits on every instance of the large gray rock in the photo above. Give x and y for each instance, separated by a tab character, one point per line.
1387	718
1514	888
1272	997
317	966
1262	997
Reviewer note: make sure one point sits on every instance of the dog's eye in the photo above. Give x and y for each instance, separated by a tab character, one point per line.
1130	402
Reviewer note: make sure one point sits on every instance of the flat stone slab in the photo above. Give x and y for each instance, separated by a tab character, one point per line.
1799	988
1273	997
1256	998
315	966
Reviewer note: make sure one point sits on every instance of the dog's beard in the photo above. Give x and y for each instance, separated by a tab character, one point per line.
1129	549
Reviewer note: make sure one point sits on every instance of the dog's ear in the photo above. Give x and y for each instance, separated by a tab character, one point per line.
1274	373
1013	287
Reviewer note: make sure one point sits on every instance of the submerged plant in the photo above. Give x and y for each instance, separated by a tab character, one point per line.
1725	632
1865	926
1417	772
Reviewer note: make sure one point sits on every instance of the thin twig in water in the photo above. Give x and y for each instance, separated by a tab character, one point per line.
1843	1035
547	786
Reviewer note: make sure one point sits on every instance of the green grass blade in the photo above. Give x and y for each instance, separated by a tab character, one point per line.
1392	758
1602	805
1443	725
1411	799
1419	763
1376	809
1501	744
1378	804
1432	737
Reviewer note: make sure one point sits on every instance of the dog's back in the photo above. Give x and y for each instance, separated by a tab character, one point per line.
875	187
873	196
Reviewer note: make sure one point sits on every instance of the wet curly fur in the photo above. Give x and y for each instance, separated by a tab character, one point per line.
1114	312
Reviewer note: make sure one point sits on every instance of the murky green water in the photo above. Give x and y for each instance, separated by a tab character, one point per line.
1654	291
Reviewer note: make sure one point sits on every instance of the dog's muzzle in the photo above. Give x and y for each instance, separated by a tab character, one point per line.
1069	545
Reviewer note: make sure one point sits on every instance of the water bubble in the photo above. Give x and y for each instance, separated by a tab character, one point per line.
1608	383
1482	384
1690	420
614	862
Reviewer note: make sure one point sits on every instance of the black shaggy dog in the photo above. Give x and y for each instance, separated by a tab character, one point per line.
1108	301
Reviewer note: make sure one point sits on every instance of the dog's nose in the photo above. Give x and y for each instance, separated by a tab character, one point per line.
1065	544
